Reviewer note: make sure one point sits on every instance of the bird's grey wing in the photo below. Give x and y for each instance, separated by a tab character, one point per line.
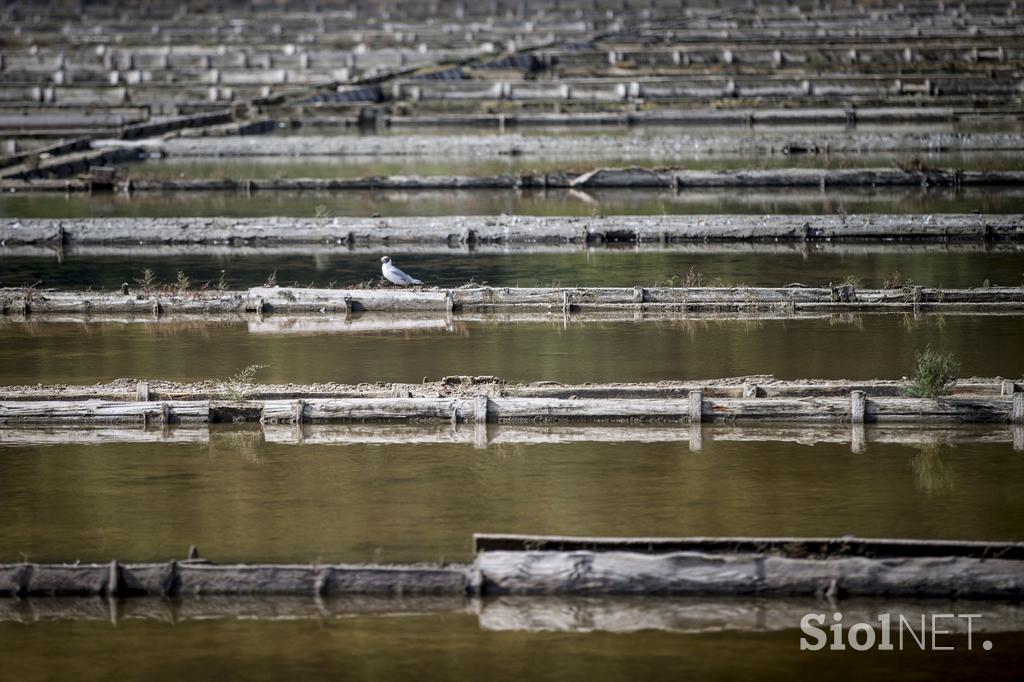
406	278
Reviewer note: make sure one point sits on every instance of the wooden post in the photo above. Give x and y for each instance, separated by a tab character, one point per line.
165	413
638	294
1017	413
1017	434
749	390
480	404
858	404
480	409
566	304
142	392
449	301
696	407
1007	388
298	408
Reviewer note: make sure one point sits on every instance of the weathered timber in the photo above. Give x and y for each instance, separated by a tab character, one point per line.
754	566
368	409
527	230
584	572
200	577
693	409
104	411
790	547
290	300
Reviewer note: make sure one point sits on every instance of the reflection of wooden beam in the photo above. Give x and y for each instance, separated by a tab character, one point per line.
51	435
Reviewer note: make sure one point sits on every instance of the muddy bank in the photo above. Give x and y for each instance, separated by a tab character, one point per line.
471	230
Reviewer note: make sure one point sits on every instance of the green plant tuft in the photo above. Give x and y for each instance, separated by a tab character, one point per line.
935	373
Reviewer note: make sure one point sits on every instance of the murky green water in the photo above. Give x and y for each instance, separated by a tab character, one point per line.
240	498
950	265
488	202
854	347
358	166
453	646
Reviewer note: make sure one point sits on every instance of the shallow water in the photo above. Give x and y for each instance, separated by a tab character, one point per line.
241	498
949	265
453	646
493	202
840	346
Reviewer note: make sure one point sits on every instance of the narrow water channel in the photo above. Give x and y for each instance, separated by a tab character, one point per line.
365	349
242	498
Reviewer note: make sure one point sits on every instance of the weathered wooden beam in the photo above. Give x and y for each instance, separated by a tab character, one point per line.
794	547
396	231
103	411
611	572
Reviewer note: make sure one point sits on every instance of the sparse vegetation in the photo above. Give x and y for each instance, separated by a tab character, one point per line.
183	283
239	384
271	280
148	282
222	282
935	372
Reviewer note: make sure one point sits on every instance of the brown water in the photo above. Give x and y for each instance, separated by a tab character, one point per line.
950	265
453	646
841	346
493	202
240	498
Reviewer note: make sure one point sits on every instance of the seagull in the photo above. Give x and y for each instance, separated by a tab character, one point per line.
394	275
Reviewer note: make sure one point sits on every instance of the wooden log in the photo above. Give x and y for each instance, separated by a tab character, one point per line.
48	411
1017	411
539	409
394	232
793	547
369	409
583	572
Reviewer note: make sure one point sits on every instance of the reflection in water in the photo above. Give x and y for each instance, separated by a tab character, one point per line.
578	614
526	202
503	641
932	474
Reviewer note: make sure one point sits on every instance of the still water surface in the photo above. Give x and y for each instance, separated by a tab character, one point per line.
241	498
949	265
325	349
454	646
493	202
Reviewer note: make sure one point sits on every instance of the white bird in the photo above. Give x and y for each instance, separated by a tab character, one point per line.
394	275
